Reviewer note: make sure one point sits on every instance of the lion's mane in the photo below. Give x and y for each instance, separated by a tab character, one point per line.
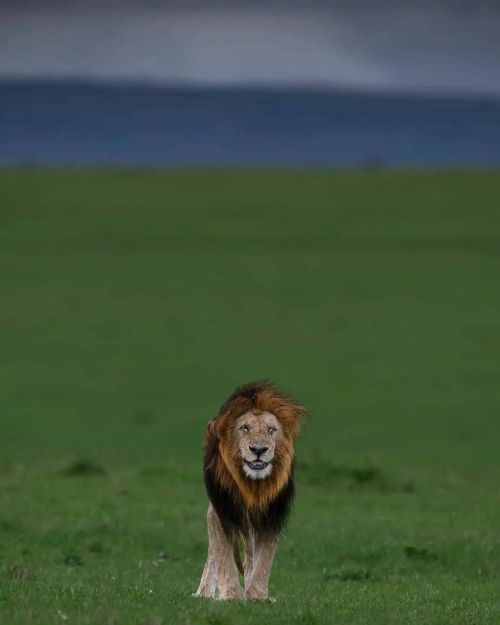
241	503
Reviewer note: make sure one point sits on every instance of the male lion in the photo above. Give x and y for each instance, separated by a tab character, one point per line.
248	469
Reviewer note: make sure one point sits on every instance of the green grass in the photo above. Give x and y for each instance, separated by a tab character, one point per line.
131	303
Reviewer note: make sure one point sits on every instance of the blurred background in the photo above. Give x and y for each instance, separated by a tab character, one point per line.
310	194
291	202
284	83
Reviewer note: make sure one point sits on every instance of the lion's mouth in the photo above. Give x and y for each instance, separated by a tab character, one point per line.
256	465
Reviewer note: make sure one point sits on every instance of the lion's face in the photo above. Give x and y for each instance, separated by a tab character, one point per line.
257	435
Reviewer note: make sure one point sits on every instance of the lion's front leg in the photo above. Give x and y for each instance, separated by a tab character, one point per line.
208	582
264	550
221	546
248	544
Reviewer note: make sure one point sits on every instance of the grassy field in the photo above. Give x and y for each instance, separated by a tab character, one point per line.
131	303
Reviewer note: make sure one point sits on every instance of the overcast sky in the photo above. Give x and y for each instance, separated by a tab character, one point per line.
449	46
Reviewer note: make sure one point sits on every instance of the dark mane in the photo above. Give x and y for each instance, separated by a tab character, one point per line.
247	391
236	517
233	509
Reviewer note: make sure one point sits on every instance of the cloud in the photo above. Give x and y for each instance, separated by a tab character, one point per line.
418	48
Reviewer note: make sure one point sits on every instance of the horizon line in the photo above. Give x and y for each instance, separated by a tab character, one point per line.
274	86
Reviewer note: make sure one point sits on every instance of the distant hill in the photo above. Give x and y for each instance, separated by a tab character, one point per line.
75	123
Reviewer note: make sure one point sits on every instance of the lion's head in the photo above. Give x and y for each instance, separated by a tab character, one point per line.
256	435
250	444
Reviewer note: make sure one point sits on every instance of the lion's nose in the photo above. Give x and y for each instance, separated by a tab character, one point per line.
259	450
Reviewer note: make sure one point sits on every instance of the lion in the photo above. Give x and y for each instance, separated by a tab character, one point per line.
248	468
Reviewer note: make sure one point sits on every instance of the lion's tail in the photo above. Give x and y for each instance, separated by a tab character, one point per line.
237	554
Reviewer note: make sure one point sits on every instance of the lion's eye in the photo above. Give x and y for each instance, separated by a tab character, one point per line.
271	430
244	428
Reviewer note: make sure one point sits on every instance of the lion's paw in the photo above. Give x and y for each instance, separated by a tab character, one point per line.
231	594
256	595
261	599
204	593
